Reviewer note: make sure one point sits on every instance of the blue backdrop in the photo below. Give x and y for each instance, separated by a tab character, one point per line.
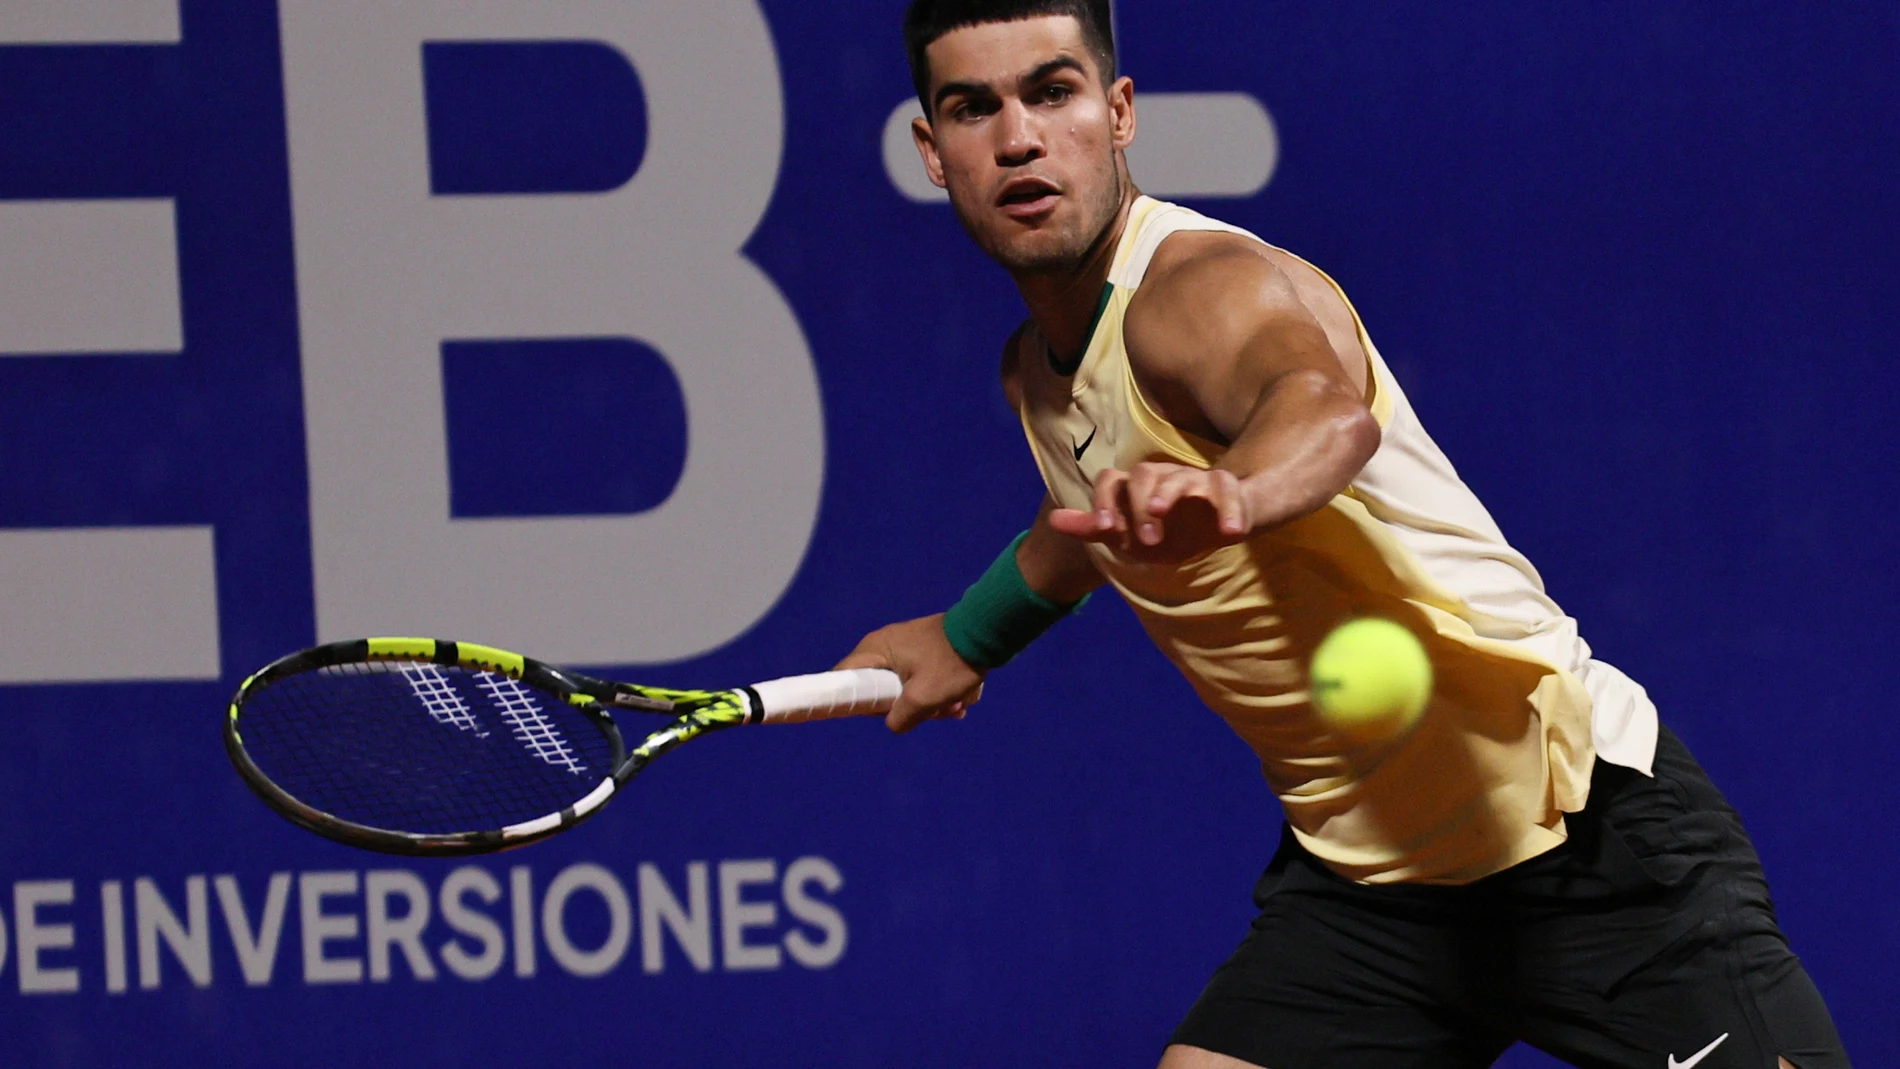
1633	262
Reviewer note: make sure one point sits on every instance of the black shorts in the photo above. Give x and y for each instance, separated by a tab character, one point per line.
1646	940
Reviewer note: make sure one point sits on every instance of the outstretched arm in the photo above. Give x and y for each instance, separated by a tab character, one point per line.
1224	348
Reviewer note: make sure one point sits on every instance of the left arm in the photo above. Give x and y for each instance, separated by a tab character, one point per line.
1222	346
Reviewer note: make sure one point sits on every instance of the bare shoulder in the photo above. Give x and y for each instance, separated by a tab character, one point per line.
1206	290
1194	260
1215	291
1188	249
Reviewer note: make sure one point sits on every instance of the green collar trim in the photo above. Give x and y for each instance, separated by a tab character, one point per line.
1070	368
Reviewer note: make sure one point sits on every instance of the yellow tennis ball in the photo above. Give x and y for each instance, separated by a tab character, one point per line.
1371	679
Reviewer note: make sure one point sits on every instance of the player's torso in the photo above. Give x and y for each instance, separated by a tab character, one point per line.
1507	736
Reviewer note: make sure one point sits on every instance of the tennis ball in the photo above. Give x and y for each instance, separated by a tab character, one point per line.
1371	679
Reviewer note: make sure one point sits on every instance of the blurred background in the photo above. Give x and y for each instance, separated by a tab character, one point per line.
623	334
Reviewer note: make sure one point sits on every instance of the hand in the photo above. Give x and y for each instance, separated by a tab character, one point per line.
937	682
1160	512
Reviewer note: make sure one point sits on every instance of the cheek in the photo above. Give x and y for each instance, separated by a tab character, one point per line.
1087	128
958	170
960	153
969	199
966	178
1090	156
1086	143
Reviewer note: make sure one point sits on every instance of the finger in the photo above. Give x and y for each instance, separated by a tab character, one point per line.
1078	523
1139	493
863	658
1172	486
905	714
1230	504
872	651
1109	484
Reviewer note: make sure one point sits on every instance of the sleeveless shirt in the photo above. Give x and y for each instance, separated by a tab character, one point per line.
1519	710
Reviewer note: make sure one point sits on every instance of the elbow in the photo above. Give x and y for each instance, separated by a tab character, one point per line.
1352	429
1360	434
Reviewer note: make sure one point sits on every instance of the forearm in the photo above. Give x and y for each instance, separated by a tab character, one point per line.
1055	565
1303	443
1011	606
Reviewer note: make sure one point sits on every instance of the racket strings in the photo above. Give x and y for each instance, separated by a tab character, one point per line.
423	748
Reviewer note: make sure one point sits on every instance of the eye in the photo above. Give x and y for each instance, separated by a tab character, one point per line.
970	110
1056	94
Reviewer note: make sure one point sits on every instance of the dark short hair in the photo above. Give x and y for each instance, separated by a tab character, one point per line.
928	20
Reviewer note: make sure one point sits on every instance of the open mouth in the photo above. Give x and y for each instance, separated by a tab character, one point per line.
1027	196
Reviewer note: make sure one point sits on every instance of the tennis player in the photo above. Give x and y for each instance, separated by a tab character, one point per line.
1538	859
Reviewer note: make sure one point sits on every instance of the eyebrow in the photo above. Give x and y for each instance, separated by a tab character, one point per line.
1054	65
1044	70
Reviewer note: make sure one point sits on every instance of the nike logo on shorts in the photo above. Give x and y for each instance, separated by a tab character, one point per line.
1698	1055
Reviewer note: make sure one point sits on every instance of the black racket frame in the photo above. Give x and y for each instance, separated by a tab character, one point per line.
697	713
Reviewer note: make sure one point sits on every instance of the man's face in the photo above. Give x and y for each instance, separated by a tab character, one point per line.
1024	138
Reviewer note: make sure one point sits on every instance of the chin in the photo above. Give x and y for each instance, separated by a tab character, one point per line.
1051	245
1038	262
1037	251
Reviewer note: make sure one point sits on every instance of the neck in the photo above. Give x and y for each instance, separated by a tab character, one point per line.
1063	303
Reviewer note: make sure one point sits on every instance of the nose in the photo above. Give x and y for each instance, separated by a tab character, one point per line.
1018	136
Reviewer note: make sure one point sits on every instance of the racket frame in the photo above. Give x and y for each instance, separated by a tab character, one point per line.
698	712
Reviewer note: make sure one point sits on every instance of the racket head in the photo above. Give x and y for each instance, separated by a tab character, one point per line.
427	747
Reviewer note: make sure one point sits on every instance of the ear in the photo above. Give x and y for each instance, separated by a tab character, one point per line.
1121	106
926	139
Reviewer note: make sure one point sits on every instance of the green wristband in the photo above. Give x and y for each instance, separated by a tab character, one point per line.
999	616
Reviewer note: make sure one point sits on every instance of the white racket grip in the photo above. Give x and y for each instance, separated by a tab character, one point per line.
826	695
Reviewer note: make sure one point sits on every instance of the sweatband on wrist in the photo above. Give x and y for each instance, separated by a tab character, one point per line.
999	616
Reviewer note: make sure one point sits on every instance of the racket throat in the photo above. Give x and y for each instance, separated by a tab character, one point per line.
625	697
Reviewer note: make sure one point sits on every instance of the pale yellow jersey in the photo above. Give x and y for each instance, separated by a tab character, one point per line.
1520	710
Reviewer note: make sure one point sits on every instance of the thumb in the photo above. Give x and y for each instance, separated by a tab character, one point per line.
1076	523
862	658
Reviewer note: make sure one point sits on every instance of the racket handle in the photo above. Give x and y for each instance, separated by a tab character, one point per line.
826	695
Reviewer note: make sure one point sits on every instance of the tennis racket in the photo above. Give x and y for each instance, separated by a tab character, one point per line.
425	747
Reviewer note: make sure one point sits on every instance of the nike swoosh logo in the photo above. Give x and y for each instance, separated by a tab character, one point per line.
1698	1055
1084	447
